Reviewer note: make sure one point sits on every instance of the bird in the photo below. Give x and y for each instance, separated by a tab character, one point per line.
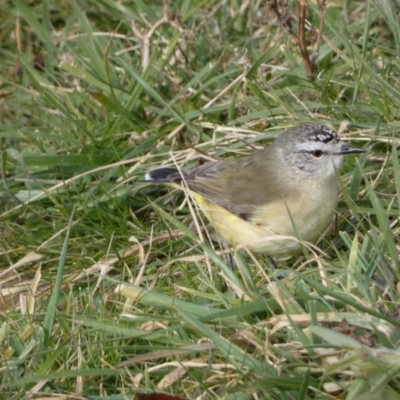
272	199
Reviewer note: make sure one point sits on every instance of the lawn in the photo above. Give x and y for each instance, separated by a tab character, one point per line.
106	292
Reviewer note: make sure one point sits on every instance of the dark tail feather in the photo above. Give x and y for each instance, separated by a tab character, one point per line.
163	175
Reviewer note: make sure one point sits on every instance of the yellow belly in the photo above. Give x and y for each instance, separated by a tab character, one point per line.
309	217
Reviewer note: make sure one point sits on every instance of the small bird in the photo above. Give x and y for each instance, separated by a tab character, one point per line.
268	200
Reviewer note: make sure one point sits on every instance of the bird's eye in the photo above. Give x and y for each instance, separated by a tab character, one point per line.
317	153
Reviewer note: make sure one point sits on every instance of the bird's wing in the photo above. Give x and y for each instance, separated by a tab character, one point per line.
200	180
239	185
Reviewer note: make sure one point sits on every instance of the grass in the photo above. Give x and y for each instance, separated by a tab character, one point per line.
104	290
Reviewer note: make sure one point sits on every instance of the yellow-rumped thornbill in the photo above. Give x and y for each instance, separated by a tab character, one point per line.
288	189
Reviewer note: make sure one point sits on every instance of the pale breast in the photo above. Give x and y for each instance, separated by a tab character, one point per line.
311	213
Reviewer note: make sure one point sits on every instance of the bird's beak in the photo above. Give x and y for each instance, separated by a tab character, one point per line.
350	150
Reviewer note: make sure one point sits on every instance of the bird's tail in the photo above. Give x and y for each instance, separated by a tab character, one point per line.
163	175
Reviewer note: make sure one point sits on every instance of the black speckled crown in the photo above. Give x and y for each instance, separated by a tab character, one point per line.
321	133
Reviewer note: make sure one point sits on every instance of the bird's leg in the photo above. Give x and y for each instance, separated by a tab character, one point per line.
229	260
271	263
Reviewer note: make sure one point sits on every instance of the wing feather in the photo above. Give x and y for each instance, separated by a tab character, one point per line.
241	185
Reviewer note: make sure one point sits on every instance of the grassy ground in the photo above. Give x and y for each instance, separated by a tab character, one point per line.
105	292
